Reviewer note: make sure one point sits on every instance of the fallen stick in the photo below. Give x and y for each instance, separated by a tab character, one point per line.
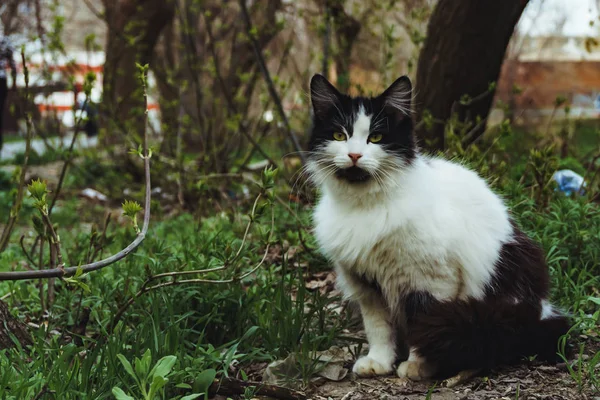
461	377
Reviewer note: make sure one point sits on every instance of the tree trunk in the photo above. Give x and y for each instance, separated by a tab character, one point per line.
9	325
462	55
167	77
347	29
134	27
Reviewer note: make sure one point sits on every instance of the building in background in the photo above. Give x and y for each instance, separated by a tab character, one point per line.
548	68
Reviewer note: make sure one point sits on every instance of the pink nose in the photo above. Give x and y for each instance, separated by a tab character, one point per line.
354	157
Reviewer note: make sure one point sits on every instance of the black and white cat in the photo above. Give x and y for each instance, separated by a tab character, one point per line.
426	248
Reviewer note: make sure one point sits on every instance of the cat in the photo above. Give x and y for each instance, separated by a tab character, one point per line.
430	253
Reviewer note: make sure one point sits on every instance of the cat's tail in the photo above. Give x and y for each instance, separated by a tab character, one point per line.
468	335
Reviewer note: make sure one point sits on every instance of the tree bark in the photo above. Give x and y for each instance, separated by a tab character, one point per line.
462	55
9	325
347	29
134	27
167	76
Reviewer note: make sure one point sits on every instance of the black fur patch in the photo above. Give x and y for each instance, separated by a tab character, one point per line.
418	303
463	335
353	174
521	271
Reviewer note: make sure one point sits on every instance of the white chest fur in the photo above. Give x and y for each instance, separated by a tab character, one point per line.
440	231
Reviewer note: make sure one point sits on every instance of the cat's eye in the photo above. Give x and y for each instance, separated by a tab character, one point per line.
339	136
375	138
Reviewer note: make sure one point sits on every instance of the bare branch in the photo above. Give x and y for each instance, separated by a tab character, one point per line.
69	157
267	76
226	94
27	255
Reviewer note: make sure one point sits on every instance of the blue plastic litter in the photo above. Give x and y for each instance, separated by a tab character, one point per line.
569	182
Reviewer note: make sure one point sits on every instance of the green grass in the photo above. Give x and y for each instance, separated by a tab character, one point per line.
221	327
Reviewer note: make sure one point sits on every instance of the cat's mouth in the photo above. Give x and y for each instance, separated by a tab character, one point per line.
353	174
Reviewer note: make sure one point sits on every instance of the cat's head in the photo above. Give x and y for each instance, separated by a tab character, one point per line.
360	142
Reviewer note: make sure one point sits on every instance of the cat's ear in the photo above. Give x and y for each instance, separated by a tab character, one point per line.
397	98
324	96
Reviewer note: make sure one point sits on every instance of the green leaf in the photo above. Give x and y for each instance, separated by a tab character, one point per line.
120	394
205	379
250	332
191	396
595	300
38	189
163	366
131	208
183	386
127	365
142	366
244	375
78	272
157	383
78	283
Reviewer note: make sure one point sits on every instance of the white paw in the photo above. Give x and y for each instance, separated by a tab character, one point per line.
414	370
367	366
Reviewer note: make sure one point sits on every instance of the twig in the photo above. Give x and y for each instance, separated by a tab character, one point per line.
349	395
68	159
179	157
460	378
41	283
54	243
267	76
252	150
477	99
70	271
474	134
477	131
551	119
27	255
591	165
98	246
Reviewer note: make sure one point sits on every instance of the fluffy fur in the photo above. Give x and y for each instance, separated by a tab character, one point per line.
426	248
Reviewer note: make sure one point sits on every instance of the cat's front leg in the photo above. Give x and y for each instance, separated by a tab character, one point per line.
377	323
380	335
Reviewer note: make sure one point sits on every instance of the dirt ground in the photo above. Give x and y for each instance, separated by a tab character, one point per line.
527	382
531	381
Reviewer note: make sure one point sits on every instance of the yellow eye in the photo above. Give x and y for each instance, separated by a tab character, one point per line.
339	136
375	138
